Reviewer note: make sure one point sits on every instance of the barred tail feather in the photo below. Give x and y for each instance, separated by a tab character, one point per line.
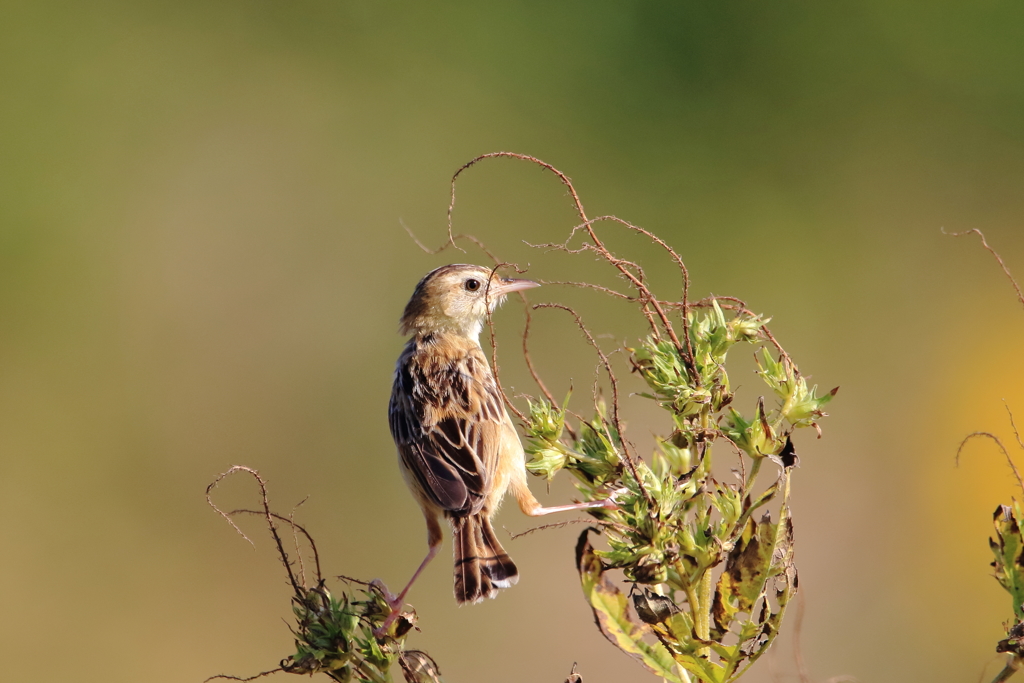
499	566
471	583
481	564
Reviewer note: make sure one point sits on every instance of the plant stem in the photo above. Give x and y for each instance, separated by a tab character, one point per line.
704	625
700	600
695	612
755	467
1012	666
700	609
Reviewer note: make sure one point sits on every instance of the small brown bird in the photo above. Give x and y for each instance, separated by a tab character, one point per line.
457	447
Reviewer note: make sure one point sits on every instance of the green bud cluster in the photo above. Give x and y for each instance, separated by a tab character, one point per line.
336	636
800	406
592	455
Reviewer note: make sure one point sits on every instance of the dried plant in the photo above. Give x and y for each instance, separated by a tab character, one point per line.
711	571
1008	545
338	635
1008	548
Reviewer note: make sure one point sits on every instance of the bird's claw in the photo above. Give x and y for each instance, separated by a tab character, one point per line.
385	628
394	602
612	501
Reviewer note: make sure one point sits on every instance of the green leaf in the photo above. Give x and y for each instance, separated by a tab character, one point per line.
1009	552
611	613
746	571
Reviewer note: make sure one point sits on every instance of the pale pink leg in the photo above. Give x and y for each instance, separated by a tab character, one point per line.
434	539
532	507
538	511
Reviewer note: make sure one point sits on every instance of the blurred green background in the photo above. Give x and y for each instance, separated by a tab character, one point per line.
202	264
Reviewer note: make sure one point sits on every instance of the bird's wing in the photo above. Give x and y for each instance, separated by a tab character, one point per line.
447	420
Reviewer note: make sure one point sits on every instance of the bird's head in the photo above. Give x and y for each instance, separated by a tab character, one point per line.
456	298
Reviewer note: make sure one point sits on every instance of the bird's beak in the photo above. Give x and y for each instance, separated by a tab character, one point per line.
505	286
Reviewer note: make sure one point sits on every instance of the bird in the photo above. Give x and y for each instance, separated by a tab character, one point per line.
458	449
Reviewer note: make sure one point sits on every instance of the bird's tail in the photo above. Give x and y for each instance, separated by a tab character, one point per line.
481	565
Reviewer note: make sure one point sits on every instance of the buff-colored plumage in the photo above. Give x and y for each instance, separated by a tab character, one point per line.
458	449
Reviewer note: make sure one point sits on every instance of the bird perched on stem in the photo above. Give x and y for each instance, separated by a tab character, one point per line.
458	449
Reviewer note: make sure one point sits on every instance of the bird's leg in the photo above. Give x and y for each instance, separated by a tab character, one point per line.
434	539
539	510
532	507
397	601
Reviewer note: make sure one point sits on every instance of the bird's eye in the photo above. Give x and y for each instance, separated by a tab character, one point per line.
472	285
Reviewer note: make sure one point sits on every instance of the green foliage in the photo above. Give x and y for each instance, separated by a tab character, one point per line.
342	637
711	579
1009	555
611	610
1009	572
336	636
1008	549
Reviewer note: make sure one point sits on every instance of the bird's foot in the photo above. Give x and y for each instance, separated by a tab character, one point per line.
394	602
612	501
382	630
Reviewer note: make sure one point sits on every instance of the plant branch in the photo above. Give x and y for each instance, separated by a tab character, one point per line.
993	437
628	457
995	255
